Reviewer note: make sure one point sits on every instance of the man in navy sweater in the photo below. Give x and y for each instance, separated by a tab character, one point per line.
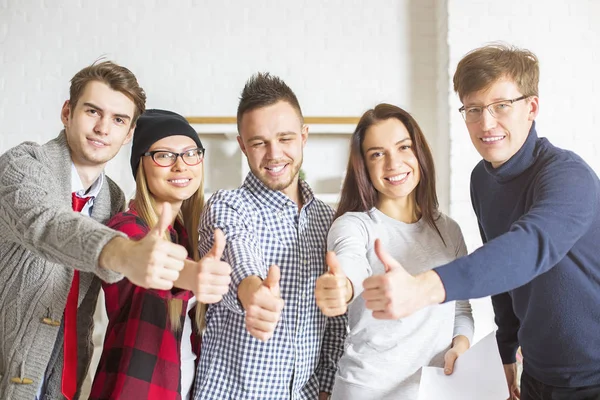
538	209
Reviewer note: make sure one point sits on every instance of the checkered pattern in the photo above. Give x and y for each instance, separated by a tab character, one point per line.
141	358
264	227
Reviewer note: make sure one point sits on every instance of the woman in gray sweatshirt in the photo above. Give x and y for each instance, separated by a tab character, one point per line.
389	194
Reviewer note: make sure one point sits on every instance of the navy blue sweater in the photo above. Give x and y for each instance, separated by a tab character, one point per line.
539	218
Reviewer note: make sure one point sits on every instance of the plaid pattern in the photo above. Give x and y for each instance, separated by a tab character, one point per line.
264	227
141	358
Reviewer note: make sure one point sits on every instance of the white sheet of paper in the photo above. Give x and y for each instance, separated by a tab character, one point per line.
478	374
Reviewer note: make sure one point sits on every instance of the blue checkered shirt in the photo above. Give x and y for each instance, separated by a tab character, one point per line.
264	227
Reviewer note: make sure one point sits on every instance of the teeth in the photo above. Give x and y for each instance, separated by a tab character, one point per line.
276	169
179	180
397	177
98	143
492	139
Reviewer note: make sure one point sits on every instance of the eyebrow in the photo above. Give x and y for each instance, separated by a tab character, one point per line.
124	116
279	134
407	139
174	150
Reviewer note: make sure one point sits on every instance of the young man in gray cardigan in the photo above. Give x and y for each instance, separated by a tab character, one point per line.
47	249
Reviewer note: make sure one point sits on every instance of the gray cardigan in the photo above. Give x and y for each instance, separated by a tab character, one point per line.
41	242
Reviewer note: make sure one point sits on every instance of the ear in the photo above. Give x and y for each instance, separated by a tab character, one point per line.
241	144
65	112
304	134
534	107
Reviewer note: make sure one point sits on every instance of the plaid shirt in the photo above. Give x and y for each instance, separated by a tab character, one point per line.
264	227
141	358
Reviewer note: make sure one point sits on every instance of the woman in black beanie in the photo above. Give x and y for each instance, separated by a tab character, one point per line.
152	341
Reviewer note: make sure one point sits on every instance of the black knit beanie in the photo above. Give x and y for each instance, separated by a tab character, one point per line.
154	125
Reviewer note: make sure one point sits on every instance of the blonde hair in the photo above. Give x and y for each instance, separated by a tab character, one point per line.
189	217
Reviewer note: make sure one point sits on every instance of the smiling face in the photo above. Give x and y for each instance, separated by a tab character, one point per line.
98	125
273	139
178	182
498	139
391	162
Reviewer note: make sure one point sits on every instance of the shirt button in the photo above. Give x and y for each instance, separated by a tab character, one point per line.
280	215
21	381
50	321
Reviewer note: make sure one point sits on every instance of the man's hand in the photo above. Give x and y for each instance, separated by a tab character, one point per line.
151	262
262	302
510	370
460	344
397	294
208	278
323	395
333	290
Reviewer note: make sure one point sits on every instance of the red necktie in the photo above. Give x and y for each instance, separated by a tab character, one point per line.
69	375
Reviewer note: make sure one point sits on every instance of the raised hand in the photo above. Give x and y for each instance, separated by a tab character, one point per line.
262	302
151	262
208	278
394	294
333	290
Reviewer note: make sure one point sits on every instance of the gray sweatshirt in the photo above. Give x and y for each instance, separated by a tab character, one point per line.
383	358
42	241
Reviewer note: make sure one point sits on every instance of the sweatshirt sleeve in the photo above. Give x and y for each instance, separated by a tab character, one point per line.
34	215
349	239
463	315
564	205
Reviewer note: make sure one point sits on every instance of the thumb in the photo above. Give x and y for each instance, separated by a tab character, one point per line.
218	246
333	263
449	360
388	262
273	277
164	220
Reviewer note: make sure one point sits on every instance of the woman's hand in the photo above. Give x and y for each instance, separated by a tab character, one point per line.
460	344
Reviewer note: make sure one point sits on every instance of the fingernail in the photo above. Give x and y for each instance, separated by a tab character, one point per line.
447	370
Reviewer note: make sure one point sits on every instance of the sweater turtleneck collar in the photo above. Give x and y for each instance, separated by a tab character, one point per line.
518	163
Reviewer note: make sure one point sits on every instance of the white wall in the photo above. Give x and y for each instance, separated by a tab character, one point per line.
340	57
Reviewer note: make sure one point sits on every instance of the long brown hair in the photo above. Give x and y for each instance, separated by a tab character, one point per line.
358	192
189	217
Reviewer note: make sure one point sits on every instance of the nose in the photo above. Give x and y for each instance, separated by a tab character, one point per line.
179	165
102	126
274	151
488	121
394	160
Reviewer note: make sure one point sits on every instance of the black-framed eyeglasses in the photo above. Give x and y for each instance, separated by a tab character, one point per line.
164	158
497	109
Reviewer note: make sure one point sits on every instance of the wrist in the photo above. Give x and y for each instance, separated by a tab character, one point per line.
247	287
109	257
432	288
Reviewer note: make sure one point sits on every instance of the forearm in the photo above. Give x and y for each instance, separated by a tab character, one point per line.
331	351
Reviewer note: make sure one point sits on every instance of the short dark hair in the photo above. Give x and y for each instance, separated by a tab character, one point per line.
116	77
262	90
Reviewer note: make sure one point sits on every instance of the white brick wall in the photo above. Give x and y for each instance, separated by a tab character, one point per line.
341	57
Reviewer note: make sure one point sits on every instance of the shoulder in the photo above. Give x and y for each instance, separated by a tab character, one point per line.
355	220
322	209
117	197
447	225
130	224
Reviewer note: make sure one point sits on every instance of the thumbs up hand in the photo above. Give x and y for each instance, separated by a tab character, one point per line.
393	294
262	302
151	262
333	289
208	278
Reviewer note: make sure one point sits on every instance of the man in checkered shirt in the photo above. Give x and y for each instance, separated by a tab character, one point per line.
267	339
